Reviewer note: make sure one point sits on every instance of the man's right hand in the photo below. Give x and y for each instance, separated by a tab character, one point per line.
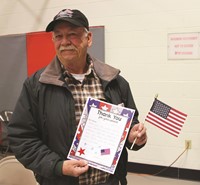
74	167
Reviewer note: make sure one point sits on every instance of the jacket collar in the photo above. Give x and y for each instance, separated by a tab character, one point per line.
53	72
105	71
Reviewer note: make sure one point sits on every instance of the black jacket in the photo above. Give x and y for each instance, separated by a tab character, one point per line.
43	124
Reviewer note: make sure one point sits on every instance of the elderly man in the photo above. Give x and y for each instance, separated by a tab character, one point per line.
51	102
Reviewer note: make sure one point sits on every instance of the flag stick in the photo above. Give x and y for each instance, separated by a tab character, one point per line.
133	143
135	140
156	96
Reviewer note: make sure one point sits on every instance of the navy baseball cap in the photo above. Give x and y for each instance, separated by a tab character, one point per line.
75	17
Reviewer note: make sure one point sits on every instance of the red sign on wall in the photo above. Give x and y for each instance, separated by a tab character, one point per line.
184	46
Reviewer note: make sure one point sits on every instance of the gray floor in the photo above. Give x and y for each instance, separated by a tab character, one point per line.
142	179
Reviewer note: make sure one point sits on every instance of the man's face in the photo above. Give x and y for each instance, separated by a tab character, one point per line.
71	42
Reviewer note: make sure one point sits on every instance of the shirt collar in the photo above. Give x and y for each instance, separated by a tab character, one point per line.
90	72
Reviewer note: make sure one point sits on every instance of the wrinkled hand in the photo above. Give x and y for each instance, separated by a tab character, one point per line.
138	131
74	167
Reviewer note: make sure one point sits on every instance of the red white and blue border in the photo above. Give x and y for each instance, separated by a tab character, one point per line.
110	108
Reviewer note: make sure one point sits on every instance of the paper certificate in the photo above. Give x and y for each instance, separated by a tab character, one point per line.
101	134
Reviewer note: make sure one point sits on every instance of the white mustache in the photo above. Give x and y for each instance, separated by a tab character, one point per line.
67	48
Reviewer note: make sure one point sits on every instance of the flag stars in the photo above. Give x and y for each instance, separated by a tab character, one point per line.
161	109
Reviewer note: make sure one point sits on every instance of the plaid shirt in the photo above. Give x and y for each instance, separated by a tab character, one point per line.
90	86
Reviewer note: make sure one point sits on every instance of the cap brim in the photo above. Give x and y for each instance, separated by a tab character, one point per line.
52	24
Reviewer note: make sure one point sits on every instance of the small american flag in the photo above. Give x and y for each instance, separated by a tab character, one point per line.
166	118
105	151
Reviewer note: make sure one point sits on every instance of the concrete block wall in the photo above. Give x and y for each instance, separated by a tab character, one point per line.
136	42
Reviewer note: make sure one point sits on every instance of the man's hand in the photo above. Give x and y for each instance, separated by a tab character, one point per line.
74	167
138	131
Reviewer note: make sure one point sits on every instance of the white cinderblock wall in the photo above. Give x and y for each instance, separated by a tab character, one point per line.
136	42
